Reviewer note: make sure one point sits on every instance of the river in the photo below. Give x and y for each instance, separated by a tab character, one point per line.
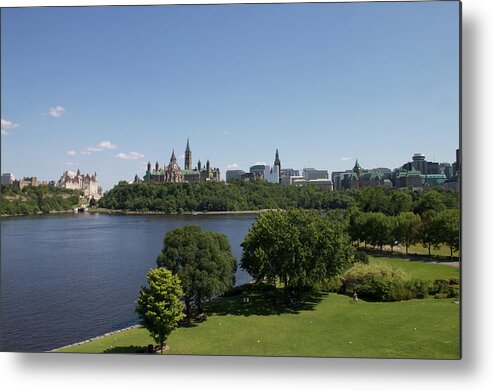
66	278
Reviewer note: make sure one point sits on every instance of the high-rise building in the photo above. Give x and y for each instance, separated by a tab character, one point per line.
310	173
234	174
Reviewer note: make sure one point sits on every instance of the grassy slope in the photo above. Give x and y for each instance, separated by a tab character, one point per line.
323	328
420	269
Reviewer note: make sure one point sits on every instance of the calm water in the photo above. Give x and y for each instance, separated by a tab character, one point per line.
67	278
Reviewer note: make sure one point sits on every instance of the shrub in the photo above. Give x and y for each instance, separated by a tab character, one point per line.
439	286
334	284
418	289
453	291
449	287
361	257
379	282
441	296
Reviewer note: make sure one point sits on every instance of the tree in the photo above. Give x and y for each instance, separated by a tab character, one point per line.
296	247
159	306
407	228
429	200
400	201
379	228
449	222
202	260
430	230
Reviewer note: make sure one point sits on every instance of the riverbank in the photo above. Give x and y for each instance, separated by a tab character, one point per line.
201	213
95	338
39	213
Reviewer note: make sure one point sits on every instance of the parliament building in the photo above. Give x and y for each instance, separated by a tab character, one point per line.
172	173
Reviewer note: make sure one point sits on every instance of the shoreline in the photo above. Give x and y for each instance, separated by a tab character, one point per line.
130	212
95	338
198	213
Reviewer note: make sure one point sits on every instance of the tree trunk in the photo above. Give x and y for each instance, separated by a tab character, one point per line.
391	248
451	252
407	249
429	249
162	344
187	308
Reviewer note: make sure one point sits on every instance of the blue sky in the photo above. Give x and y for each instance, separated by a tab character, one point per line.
106	89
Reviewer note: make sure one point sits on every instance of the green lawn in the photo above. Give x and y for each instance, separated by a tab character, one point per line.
419	269
329	325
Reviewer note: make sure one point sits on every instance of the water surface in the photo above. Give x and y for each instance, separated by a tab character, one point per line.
66	278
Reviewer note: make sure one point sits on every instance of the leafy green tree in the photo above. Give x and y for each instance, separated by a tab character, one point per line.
407	228
449	221
203	261
429	200
357	225
159	305
379	229
429	233
400	201
296	247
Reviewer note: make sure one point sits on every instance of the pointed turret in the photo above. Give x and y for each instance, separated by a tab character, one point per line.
173	157
149	167
199	165
157	166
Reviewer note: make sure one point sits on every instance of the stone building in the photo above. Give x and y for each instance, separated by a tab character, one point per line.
88	184
172	173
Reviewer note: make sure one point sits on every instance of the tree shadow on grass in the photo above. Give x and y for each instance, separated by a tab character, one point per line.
263	302
126	349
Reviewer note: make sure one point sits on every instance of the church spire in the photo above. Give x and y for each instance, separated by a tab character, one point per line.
173	157
277	163
357	168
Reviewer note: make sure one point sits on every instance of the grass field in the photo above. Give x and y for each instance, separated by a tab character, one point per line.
420	269
327	325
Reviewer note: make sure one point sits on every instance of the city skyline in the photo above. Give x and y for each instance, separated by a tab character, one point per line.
239	81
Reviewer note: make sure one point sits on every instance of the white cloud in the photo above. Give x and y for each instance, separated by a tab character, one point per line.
71	152
8	125
105	144
225	133
57	111
6	133
129	156
345	158
232	166
181	156
258	163
71	164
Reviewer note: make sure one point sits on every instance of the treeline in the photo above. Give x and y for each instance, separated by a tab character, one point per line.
31	200
432	228
256	195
